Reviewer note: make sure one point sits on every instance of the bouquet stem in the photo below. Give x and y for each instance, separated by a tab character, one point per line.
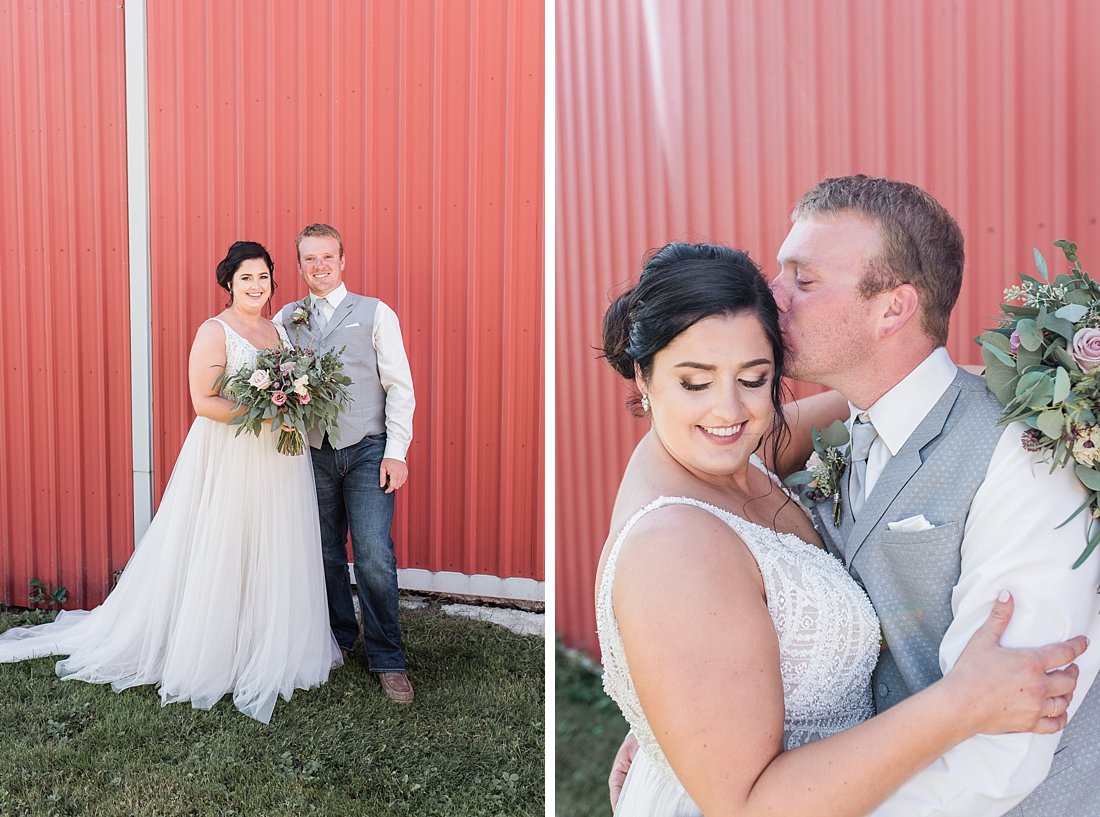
290	443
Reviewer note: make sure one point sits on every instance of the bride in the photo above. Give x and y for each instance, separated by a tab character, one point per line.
225	592
739	651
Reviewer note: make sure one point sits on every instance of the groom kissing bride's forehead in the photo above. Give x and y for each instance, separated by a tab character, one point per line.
868	275
935	511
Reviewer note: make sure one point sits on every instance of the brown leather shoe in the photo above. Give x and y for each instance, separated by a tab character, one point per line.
396	686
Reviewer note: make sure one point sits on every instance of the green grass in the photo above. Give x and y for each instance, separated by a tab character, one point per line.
471	744
588	731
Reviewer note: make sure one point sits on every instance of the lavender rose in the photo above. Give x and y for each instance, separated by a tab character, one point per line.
1086	348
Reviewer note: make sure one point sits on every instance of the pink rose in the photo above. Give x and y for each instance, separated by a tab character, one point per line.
1086	348
278	397
1014	341
303	398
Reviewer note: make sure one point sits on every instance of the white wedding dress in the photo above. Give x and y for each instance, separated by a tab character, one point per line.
828	645
225	592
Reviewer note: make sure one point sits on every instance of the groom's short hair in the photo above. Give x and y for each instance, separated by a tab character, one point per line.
922	244
318	230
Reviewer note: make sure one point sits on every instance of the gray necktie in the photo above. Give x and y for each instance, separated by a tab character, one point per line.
319	311
863	435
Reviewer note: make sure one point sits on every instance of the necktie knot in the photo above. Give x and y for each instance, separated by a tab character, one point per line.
863	437
320	312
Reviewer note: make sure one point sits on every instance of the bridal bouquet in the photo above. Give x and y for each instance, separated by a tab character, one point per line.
291	387
1043	364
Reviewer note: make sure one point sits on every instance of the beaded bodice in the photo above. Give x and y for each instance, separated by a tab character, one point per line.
239	352
828	633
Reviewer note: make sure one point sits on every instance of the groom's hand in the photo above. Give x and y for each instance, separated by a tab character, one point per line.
392	474
623	758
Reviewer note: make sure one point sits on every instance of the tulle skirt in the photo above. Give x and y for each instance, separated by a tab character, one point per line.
651	792
225	593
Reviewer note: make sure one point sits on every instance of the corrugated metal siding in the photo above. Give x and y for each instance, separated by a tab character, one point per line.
416	130
706	121
66	497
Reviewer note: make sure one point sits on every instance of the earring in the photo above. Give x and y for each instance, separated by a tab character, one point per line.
645	403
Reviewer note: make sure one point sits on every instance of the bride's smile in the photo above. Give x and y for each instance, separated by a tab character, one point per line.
709	394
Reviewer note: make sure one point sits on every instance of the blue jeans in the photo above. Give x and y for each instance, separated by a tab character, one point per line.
348	496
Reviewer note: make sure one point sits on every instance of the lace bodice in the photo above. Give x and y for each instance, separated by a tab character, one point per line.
828	634
239	351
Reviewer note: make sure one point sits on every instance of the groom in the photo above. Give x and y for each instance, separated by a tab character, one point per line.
941	507
358	473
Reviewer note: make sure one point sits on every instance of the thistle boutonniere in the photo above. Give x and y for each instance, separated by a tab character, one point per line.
821	478
300	315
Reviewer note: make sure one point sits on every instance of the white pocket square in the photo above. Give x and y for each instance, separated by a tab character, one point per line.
911	525
351	326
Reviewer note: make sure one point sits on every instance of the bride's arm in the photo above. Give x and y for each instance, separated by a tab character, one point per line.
817	410
704	659
206	363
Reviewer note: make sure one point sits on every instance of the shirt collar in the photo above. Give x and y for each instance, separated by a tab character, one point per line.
335	297
897	413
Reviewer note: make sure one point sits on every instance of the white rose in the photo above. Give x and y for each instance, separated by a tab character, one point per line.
301	384
260	379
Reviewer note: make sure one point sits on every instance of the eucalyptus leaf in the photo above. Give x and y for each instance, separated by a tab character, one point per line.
1094	540
1059	326
1028	359
1029	381
1043	394
1089	478
994	351
1031	337
799	478
1051	423
1041	264
1064	358
1061	386
834	435
1000	379
1072	312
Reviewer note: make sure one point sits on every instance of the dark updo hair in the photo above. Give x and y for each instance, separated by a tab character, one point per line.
239	252
681	284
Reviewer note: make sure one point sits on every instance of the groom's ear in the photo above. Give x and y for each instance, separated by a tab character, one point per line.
901	306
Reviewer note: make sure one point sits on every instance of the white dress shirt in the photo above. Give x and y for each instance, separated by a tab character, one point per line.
393	371
1009	542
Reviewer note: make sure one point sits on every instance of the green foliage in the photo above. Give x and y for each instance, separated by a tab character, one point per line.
471	744
41	595
588	730
1033	369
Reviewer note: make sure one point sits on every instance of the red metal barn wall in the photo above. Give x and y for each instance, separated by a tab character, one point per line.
415	128
706	120
66	494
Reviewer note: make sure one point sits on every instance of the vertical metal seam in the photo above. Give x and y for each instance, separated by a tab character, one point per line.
138	195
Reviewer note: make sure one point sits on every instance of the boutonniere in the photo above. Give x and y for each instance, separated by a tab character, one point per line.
300	315
821	478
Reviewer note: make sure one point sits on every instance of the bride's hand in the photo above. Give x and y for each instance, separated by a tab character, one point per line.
1009	689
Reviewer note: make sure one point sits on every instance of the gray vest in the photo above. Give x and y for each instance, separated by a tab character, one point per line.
352	327
909	576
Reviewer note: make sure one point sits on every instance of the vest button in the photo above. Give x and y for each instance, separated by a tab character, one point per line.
883	690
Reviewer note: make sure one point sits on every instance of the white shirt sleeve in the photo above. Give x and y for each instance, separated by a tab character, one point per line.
1010	542
396	377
